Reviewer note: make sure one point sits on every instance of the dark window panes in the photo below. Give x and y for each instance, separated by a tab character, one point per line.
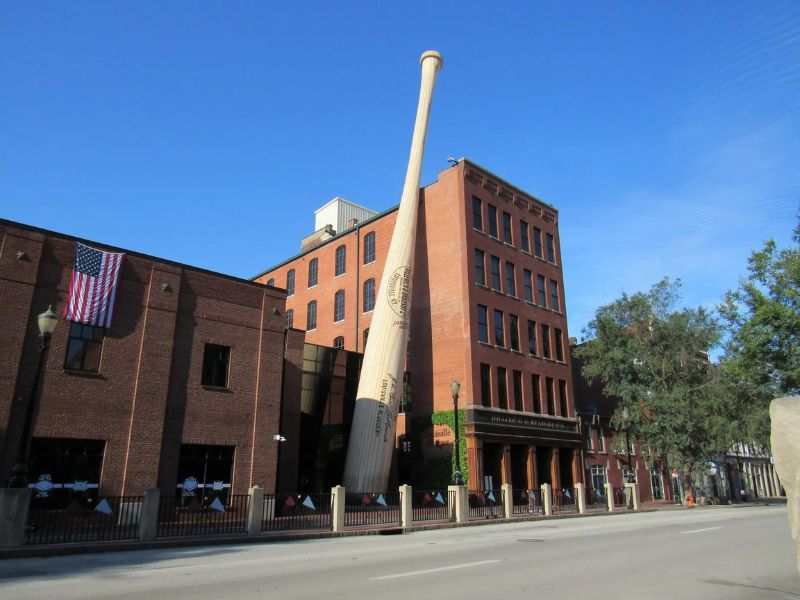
365	335
313	272
369	295
559	343
562	397
492	220
546	341
289	318
537	242
502	390
271	282
537	393
499	338
341	255
204	473
338	306
551	252
540	291
517	382
61	463
554	305
532	338
477	217
215	365
511	284
84	348
513	332
369	248
486	385
311	315
548	385
526	276
480	269
483	325
507	238
496	273
524	242
338	342
290	283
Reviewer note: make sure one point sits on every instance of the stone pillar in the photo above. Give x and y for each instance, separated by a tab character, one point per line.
148	519
610	497
580	497
533	478
337	510
547	499
577	468
506	464
508	499
555	473
14	504
633	494
406	508
255	512
461	502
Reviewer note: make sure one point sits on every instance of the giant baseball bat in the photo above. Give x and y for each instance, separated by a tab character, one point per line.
372	436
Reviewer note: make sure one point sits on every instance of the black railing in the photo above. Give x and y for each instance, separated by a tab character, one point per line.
296	511
486	504
564	500
107	518
433	505
596	499
180	515
526	502
620	497
372	508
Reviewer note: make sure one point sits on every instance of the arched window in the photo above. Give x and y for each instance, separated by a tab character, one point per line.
313	272
338	306
366	335
290	283
289	318
338	343
271	282
369	248
341	255
369	295
311	316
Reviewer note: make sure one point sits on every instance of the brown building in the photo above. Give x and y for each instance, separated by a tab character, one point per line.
488	309
185	387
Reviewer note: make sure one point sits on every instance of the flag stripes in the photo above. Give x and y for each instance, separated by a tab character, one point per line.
93	286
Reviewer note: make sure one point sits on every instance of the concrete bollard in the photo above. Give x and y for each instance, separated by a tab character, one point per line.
148	519
337	510
508	499
406	506
547	499
610	497
255	512
633	495
462	502
580	497
14	505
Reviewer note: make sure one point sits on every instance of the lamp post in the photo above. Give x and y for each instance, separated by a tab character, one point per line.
455	387
19	472
626	420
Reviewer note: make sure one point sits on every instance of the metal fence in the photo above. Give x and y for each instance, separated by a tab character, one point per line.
178	515
372	508
525	502
486	504
108	518
564	500
596	499
296	511
433	505
620	497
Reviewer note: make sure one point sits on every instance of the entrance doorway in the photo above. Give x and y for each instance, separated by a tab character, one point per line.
565	467
492	463
519	467
543	457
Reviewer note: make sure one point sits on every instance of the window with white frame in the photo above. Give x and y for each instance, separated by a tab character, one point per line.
599	477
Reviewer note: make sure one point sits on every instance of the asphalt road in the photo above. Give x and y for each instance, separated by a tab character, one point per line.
718	552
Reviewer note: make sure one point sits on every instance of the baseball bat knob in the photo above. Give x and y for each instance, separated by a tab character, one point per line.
432	54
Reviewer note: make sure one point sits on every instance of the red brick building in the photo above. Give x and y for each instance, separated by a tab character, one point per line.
488	309
185	386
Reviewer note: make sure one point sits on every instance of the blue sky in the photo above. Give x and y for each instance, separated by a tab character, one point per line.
666	133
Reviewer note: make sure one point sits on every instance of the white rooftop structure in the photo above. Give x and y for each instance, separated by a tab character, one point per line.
341	213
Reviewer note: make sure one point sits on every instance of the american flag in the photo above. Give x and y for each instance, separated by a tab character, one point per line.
93	287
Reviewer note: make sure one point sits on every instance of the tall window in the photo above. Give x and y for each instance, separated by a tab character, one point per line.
483	324
554	295
516	377
499	338
313	272
338	306
289	318
513	332
215	365
486	386
601	440
562	398
477	217
480	269
341	256
546	341
511	283
502	389
507	228
537	242
369	248
537	393
524	243
526	281
338	342
551	251
365	335
495	273
588	434
369	295
548	390
290	283
311	316
559	343
532	338
492	220
84	349
540	291
599	479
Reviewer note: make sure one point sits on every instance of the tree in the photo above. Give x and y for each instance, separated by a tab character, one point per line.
653	358
762	354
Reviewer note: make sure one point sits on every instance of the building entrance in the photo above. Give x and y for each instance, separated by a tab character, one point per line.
519	467
544	456
565	467
493	463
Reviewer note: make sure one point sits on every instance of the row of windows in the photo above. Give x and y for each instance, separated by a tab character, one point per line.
338	342
601	435
339	268
506	281
525	231
338	306
499	335
542	404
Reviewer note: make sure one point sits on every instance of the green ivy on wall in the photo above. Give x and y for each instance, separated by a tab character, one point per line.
447	417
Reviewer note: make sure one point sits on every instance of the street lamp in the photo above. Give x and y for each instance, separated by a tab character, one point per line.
47	322
626	421
455	387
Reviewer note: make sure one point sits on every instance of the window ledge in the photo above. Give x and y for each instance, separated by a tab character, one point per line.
503	348
517	352
216	388
509	245
482	285
512	296
86	374
487	344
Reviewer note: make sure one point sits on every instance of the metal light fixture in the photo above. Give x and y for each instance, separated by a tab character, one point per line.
455	387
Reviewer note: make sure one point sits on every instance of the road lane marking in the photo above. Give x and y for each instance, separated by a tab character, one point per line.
436	570
699	530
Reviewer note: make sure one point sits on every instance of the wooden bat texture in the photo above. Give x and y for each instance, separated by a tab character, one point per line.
372	436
